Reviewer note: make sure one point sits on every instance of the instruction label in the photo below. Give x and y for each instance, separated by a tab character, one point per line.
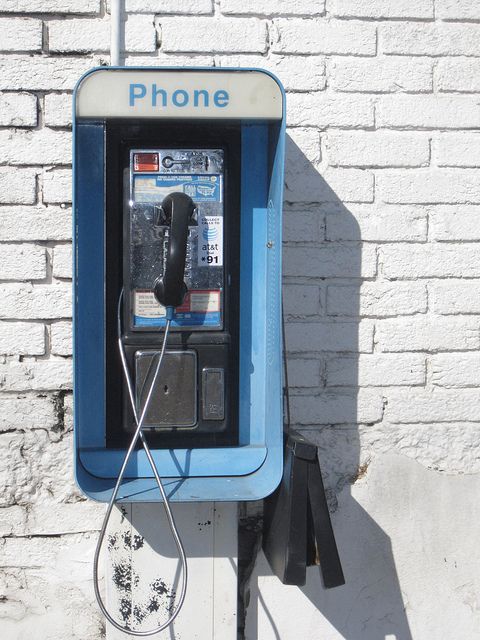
200	307
145	305
210	241
201	188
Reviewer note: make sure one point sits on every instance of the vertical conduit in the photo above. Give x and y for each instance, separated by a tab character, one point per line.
115	32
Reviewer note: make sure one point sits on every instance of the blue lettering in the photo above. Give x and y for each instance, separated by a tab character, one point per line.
176	95
137	91
159	97
155	93
221	98
196	97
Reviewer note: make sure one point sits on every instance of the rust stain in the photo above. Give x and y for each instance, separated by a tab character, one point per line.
361	473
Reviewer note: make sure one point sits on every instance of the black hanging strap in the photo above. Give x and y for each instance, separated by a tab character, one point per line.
297	527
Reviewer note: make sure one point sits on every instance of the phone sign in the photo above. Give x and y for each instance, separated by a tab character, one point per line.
210	241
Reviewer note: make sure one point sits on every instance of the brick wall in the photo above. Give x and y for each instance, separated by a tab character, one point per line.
382	268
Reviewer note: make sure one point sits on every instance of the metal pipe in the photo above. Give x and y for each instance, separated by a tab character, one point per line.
115	32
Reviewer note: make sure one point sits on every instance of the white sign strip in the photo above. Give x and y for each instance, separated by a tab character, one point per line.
160	93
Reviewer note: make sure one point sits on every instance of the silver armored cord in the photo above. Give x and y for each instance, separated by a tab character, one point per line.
166	505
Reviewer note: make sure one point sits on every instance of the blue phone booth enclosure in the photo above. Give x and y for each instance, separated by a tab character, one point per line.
215	427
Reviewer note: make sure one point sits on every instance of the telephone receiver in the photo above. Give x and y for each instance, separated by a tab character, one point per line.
178	212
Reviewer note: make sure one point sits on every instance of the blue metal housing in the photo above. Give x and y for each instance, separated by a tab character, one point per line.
253	469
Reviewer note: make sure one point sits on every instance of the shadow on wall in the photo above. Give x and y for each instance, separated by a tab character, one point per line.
323	269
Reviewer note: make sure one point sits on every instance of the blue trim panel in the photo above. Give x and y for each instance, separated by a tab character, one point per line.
89	345
253	239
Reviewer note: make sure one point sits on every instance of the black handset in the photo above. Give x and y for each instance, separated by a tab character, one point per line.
170	288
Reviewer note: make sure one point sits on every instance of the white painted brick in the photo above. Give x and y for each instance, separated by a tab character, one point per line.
428	186
302	149
13	472
378	223
437	260
61	338
36	302
62	261
304	184
458	74
35	147
303	373
347	185
18	110
302	160
194	7
42	73
57	186
20	34
383	8
301	300
68	412
34	553
377	299
427	333
381	75
22	338
13	521
50	6
17	186
319	36
297	73
35	223
197	35
81	35
454	222
303	337
377	370
432	406
431	39
457	9
43	375
377	149
457	149
329	110
428	112
58	110
26	412
302	226
273	7
51	518
22	262
337	408
330	261
78	35
430	260
140	33
456	296
456	370
162	59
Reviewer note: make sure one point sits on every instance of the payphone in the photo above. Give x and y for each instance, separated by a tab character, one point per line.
178	184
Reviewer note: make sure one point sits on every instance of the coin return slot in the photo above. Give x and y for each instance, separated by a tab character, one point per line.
174	399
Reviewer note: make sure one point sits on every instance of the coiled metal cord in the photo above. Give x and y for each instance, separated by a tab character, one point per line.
168	512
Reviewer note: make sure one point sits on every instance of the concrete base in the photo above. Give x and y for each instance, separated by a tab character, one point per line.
408	540
143	571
